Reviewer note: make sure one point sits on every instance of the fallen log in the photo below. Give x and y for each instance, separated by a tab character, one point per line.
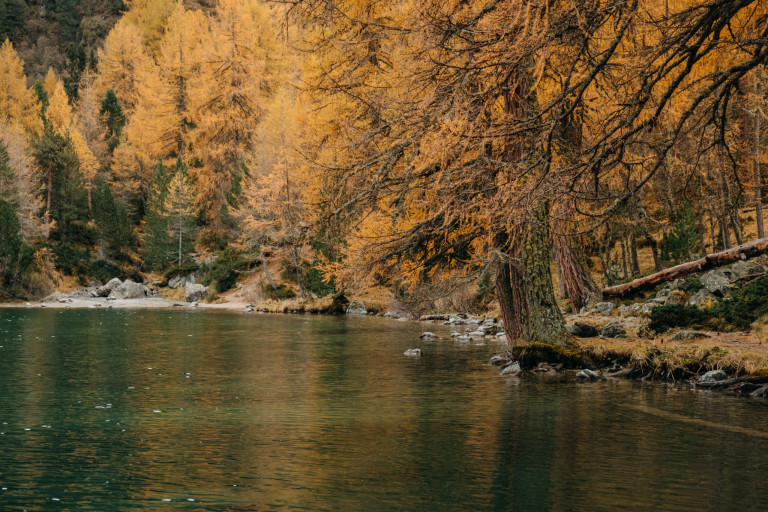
710	261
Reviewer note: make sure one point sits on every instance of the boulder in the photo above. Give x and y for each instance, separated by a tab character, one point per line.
675	297
130	290
688	336
107	289
745	268
55	297
701	297
717	281
496	360
603	308
682	285
581	330
713	376
613	329
426	335
630	310
588	374
513	368
194	292
646	308
663	293
356	307
413	352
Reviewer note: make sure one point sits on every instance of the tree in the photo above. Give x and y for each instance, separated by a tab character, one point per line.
113	119
156	245
12	19
15	256
17	103
22	187
113	222
180	209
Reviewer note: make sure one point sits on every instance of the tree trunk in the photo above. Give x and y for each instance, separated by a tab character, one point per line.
654	248
634	264
48	204
709	261
758	182
524	283
724	231
266	272
700	229
575	279
623	244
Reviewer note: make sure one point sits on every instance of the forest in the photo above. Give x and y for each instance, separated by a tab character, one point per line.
524	150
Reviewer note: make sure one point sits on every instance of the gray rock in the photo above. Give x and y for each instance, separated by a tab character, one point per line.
675	297
646	308
713	376
700	297
717	281
658	300
582	330
476	334
413	352
249	308
613	329
761	392
107	289
745	268
426	335
55	297
630	310
130	290
604	308
177	282
663	293
194	292
682	285
463	338
496	360
588	374
356	307
512	369
688	336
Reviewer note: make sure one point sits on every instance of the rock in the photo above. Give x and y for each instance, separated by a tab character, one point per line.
658	301
249	308
426	335
177	282
713	376
496	361
356	307
688	336
463	338
761	392
675	297
648	306
107	289
588	374
701	297
55	297
682	285
613	329
663	293
604	308
631	310
717	281
193	304
513	368
130	290
194	292
744	269
413	352
582	330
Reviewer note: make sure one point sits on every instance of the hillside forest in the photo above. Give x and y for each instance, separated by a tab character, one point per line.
524	150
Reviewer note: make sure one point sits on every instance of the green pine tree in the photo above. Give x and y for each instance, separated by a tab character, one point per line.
113	118
16	261
157	244
113	223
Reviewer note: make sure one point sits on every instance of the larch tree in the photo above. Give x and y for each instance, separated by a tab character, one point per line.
180	210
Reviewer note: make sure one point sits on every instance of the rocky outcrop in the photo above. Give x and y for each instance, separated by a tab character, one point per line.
613	329
356	307
194	292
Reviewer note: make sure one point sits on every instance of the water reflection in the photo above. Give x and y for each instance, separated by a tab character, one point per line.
159	410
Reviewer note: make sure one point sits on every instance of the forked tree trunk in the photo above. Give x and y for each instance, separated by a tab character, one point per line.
524	284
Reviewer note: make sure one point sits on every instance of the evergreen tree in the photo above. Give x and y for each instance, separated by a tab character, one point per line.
12	18
113	222
7	181
180	208
112	115
76	64
156	243
15	256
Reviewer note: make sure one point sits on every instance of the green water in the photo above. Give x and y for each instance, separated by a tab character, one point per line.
110	410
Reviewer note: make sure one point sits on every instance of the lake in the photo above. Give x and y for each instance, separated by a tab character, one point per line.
117	410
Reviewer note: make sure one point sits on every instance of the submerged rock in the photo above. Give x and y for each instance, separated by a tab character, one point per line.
426	335
588	374
713	376
497	360
413	352
513	368
356	307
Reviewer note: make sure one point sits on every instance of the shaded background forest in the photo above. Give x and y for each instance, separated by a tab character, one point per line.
326	146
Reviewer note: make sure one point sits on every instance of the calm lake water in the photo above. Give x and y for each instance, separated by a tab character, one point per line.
113	410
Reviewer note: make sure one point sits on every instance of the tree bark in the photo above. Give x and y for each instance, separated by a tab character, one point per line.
574	274
709	261
634	264
524	283
758	182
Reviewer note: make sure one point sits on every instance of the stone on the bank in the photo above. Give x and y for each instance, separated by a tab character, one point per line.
646	308
701	298
688	336
582	330
682	285
713	376
663	293
496	361
604	308
413	352
512	368
717	281
588	374
630	310
55	297
194	292
107	289
130	290
356	307
249	308
613	329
